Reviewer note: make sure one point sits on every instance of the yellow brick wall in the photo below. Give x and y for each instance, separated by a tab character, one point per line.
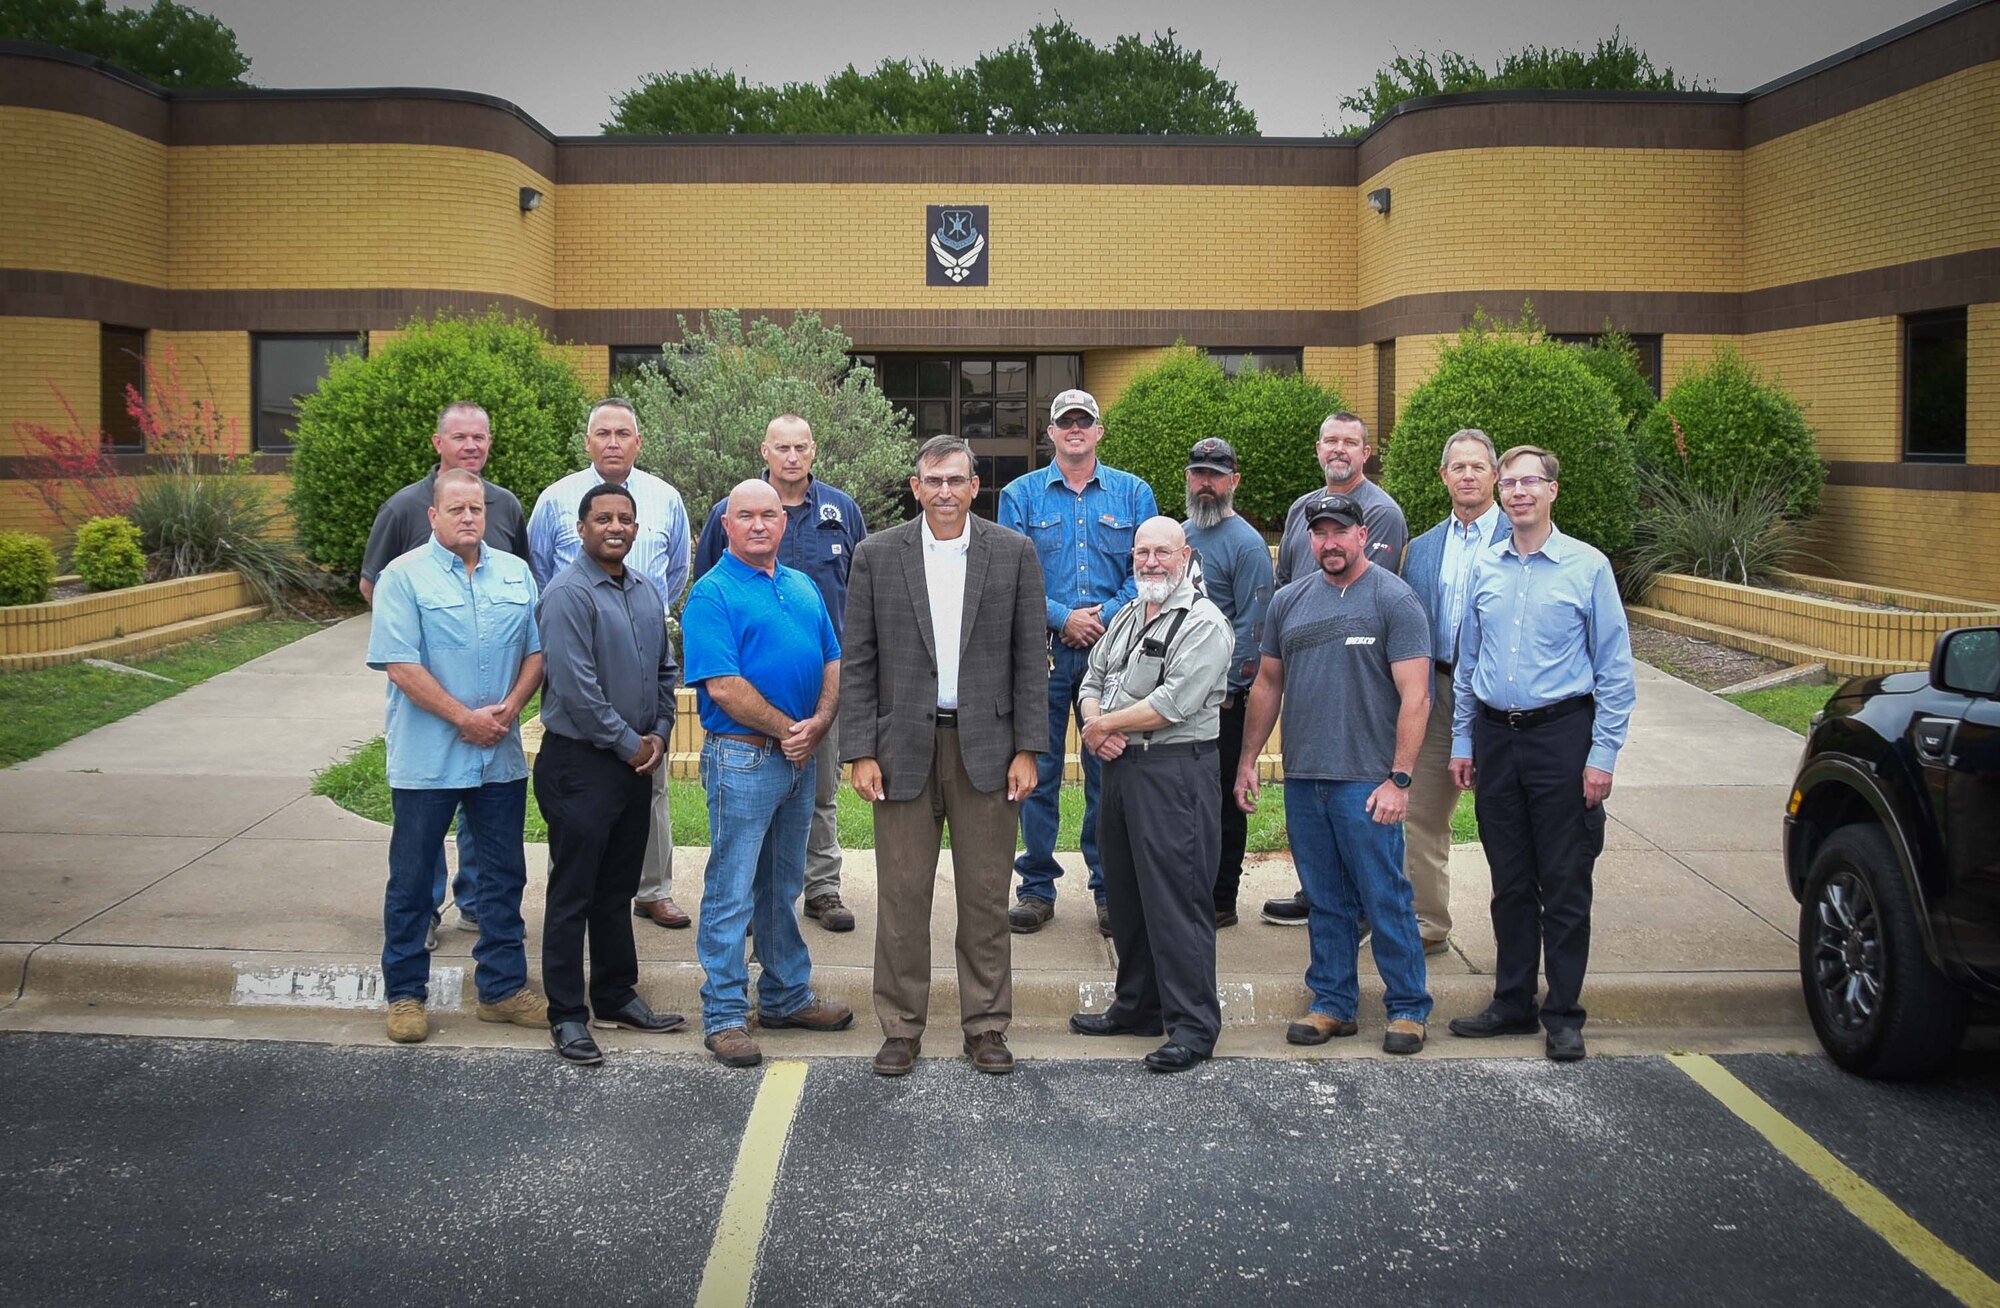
316	216
1910	177
593	367
1847	375
1940	542
1982	383
40	357
1680	355
1106	373
81	196
213	366
1576	219
840	246
1348	371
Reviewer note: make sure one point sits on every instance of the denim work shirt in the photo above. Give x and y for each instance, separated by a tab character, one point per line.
1540	630
660	551
819	540
470	632
1084	539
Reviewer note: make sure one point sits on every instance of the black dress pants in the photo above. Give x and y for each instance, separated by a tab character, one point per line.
599	814
1235	822
1542	844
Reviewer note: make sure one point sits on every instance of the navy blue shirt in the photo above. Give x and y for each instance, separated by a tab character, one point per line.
771	629
820	536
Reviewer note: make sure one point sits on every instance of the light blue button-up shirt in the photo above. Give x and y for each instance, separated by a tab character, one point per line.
659	554
1084	539
1462	547
1540	630
472	633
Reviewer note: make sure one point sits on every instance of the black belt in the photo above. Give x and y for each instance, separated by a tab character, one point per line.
1442	666
1520	719
948	718
1171	749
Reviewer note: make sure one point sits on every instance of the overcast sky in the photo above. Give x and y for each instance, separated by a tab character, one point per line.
564	62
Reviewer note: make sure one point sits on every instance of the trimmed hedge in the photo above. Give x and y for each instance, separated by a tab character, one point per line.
27	568
108	554
1735	429
1615	360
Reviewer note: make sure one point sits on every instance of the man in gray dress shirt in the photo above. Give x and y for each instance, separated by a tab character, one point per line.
1151	703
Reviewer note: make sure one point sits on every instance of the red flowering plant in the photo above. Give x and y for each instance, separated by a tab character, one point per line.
72	470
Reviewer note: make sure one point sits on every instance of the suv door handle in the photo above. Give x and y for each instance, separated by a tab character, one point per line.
1932	738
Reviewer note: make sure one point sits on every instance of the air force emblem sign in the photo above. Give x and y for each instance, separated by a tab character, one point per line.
957	249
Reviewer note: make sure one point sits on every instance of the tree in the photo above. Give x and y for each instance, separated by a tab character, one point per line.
169	43
1615	65
704	410
1054	80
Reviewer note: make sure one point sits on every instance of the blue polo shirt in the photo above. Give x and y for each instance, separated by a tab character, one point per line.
820	536
772	630
1084	539
472	634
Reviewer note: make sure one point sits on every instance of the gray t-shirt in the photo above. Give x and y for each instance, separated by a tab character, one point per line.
404	522
1236	572
1341	702
1387	532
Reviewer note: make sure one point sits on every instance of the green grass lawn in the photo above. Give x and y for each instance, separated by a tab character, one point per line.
1791	707
42	709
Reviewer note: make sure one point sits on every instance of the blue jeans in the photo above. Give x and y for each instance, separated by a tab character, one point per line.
496	814
1351	864
1041	811
760	810
463	886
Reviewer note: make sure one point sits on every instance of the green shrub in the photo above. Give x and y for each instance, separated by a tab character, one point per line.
1521	389
365	433
27	568
1724	425
1615	360
1741	533
108	554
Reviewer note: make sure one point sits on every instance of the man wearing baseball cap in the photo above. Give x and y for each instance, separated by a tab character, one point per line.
1081	517
1236	572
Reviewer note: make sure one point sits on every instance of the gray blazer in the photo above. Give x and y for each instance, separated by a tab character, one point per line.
1425	559
888	658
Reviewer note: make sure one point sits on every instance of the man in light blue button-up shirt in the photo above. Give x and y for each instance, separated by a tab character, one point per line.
1542	692
454	627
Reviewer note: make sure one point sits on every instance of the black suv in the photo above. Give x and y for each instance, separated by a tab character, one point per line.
1892	848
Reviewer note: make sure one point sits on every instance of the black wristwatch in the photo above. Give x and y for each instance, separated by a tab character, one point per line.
1402	780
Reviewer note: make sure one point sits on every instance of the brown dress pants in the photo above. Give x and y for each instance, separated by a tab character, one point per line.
1427	825
907	834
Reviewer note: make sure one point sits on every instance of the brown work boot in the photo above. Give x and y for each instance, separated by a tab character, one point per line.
989	1053
819	1015
407	1023
1317	1029
522	1008
897	1056
664	912
1404	1036
733	1047
829	912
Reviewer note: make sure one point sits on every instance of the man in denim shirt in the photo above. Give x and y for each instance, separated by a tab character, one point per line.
454	627
1081	517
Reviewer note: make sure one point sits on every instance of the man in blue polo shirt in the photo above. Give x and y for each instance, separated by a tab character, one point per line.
822	527
763	657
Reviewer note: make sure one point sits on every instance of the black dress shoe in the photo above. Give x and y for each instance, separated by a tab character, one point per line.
1171	1057
1103	1024
637	1016
1565	1044
1492	1023
574	1045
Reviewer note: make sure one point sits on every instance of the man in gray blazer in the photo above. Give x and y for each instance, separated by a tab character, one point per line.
1439	568
944	708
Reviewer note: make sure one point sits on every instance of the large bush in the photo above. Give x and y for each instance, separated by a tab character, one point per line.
108	554
1723	426
704	410
27	568
1271	419
1521	389
365	433
1615	360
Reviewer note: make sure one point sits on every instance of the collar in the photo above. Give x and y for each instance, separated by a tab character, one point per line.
1555	548
1183	596
1052	474
957	545
449	561
599	577
742	571
1482	526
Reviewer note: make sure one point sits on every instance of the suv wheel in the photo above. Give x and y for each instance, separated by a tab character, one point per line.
1879	1005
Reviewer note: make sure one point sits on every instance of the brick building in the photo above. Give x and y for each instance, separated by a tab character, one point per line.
1842	225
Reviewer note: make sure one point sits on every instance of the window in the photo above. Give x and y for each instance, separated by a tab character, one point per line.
1934	387
1385	391
121	362
1283	362
1647	346
283	370
628	359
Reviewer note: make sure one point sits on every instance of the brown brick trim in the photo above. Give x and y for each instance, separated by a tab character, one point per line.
392	117
1972	478
74	84
1915	287
1703	313
1004	328
22	467
1577	119
30	293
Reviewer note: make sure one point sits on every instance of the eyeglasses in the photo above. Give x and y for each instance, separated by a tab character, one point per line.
1144	555
944	483
1525	483
1068	423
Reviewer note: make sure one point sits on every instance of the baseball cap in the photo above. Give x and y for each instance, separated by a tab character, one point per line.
1332	504
1214	454
1069	400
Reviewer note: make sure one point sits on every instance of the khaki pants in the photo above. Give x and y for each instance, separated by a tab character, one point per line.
823	844
1427	825
656	874
907	834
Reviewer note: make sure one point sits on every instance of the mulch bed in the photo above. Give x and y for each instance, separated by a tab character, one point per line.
1699	662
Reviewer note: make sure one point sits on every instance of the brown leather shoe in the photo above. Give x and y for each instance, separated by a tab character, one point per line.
733	1047
819	1015
664	912
829	912
522	1008
407	1023
1317	1029
1439	946
897	1056
1404	1036
989	1053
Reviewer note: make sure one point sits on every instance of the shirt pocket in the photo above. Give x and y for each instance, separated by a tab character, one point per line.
1555	622
447	621
1111	533
506	614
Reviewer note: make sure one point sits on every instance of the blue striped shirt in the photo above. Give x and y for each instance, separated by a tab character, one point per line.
660	554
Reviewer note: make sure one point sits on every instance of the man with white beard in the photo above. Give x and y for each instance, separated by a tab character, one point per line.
1150	703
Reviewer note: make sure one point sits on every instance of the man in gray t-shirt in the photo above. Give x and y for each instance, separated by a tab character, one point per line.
1347	650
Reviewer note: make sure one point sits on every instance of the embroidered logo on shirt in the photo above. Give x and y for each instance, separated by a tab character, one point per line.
1361	640
836	547
829	513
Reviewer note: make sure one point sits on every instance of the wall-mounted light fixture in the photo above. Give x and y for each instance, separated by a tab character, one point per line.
1378	200
531	199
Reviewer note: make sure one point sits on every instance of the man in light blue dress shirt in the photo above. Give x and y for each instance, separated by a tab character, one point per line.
1543	693
660	554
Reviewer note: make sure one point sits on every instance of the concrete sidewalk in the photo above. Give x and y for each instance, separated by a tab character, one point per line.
175	861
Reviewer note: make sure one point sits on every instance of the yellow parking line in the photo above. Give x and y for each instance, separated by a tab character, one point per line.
731	1271
1932	1256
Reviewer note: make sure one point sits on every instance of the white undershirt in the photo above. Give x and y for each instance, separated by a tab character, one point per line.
944	576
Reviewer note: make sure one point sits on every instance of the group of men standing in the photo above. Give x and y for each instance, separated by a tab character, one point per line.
944	659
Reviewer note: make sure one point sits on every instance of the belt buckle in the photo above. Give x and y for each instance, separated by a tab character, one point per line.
1514	717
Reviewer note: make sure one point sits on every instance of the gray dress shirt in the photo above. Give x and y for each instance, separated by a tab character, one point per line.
609	669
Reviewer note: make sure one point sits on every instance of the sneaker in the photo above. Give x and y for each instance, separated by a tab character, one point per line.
1030	915
408	1024
466	921
733	1047
1289	911
522	1008
431	933
829	912
1364	931
819	1015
